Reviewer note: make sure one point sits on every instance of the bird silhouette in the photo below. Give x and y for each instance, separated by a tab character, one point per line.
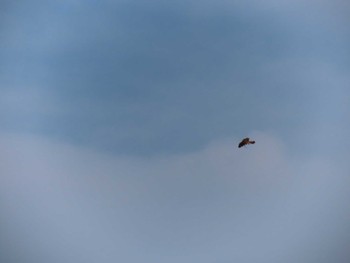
245	142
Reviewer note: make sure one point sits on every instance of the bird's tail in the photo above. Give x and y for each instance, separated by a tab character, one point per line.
251	142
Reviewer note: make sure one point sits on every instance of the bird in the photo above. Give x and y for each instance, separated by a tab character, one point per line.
245	141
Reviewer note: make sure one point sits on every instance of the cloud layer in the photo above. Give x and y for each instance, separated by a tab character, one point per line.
221	204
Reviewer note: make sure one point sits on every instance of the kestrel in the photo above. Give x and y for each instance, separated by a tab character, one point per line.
244	142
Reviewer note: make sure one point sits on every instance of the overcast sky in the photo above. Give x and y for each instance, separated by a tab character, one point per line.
120	120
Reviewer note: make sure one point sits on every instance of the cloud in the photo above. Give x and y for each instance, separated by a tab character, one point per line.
61	203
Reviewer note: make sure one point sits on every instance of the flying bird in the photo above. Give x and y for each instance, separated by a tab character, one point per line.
244	142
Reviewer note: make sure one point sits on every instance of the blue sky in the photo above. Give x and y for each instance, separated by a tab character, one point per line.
120	122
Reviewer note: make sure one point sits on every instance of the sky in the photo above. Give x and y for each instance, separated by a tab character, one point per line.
120	120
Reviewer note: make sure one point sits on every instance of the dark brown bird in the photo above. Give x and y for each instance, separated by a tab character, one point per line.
244	142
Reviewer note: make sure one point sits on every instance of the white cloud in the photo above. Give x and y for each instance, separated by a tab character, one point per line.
69	204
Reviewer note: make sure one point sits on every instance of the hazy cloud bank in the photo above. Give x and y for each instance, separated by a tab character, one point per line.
66	204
